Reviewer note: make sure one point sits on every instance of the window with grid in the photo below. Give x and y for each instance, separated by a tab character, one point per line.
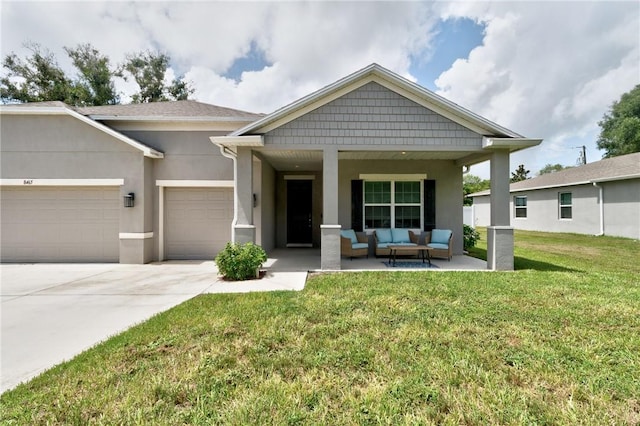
520	205
565	205
393	204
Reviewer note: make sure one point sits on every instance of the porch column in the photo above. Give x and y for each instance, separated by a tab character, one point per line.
330	229
244	230
500	232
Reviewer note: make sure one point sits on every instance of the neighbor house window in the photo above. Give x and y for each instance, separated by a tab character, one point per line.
565	204
393	204
520	204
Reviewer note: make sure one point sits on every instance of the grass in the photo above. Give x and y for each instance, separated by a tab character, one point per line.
555	342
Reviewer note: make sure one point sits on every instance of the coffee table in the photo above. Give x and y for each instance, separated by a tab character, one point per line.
395	250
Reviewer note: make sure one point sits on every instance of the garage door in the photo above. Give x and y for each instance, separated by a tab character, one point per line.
55	224
197	222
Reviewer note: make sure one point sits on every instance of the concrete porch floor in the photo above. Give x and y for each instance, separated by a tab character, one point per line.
308	259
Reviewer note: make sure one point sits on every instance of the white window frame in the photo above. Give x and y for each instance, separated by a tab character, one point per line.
392	205
516	206
561	206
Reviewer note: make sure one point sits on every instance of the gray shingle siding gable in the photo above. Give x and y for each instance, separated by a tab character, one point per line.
374	115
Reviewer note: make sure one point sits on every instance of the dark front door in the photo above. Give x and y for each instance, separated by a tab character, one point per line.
299	213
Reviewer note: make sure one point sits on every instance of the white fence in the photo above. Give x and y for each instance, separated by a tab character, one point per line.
468	215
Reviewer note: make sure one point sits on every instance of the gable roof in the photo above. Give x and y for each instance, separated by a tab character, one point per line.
610	169
391	81
60	108
186	110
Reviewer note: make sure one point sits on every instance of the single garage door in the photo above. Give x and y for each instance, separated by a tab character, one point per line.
59	224
197	222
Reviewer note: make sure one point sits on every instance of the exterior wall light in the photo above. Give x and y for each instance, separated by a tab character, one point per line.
128	199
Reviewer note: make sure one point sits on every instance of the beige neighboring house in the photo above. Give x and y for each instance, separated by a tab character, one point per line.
599	198
177	180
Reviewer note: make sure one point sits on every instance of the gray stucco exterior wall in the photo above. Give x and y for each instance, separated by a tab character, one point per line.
187	155
267	206
543	210
62	147
621	209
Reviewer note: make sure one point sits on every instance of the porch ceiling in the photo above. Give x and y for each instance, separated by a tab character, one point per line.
308	160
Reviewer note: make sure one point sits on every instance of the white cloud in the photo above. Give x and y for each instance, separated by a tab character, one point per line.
312	44
547	69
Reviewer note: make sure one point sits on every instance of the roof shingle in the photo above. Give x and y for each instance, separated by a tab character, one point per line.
170	109
608	169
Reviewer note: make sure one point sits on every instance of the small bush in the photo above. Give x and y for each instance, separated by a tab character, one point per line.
238	262
471	236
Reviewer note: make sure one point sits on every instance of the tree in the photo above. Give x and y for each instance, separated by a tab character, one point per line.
551	168
148	69
620	127
95	81
39	78
520	174
35	79
471	184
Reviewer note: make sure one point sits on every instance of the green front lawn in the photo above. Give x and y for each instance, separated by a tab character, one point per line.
556	342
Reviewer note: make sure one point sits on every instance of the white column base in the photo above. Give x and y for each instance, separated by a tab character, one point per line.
330	247
244	234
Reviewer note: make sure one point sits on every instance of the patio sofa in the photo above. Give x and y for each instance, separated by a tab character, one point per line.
396	236
440	240
353	244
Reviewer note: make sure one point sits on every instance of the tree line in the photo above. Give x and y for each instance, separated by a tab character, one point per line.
38	77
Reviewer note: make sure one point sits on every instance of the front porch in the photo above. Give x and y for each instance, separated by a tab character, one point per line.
371	151
308	260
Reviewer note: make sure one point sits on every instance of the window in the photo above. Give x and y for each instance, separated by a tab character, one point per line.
564	205
520	205
393	204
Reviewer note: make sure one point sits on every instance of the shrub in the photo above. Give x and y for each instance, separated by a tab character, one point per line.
471	236
238	262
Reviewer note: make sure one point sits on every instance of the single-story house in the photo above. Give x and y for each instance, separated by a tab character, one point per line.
177	180
599	198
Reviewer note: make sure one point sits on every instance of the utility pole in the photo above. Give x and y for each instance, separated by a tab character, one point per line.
582	158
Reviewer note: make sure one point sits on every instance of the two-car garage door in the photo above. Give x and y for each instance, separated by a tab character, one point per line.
197	221
81	224
59	224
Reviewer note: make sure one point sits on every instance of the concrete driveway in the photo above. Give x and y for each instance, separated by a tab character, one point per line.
52	312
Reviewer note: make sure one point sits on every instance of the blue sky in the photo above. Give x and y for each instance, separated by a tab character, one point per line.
454	39
544	69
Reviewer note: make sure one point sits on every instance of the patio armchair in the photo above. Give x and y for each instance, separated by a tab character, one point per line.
440	240
353	243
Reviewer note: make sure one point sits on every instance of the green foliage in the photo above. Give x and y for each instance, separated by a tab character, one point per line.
95	81
620	127
551	168
148	69
239	262
520	174
472	184
470	236
37	78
